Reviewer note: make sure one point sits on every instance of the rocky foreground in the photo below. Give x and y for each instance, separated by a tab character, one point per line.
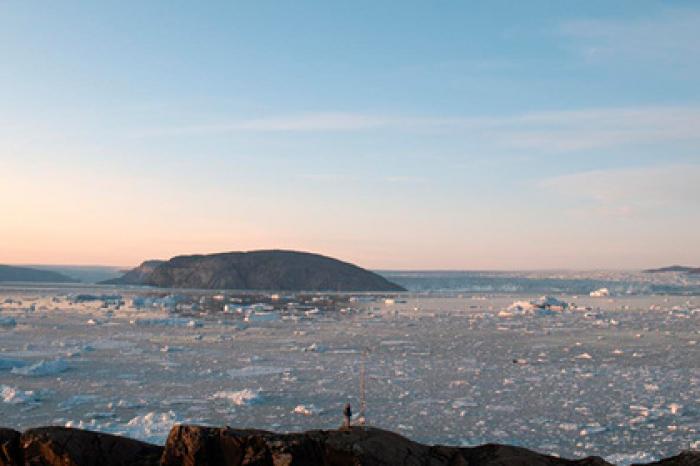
189	445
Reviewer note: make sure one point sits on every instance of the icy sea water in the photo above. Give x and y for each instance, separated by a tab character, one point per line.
617	377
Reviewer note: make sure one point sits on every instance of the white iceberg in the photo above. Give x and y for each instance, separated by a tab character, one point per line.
600	293
151	427
244	397
307	410
13	395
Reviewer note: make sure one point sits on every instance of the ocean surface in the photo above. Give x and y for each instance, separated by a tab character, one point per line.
463	358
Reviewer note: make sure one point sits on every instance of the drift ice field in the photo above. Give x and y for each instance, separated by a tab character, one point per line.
574	375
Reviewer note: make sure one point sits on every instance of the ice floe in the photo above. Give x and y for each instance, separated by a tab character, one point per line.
77	400
167	322
244	397
13	395
151	427
254	371
307	410
7	321
8	363
42	368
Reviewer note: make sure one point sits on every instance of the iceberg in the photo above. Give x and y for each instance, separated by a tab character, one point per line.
600	293
13	395
151	427
244	397
307	410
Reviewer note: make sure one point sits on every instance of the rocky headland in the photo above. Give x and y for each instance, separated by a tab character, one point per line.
190	445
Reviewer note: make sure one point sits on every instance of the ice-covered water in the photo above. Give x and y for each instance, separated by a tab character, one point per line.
615	376
549	282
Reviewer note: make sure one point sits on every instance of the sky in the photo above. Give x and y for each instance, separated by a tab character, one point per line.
396	135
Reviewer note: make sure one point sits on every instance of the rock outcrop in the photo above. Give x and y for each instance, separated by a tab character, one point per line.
257	270
62	446
190	445
135	276
10	451
686	458
197	445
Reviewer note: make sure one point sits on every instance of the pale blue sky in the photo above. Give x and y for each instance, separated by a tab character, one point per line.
460	135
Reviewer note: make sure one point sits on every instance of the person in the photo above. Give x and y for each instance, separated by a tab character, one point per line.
347	412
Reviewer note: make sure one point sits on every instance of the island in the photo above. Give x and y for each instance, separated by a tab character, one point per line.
11	273
675	268
278	270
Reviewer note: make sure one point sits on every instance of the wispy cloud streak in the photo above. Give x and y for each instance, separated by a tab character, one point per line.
566	130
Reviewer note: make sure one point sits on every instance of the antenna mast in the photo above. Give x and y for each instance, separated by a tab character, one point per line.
363	386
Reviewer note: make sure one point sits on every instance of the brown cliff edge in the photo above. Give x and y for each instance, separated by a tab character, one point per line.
190	445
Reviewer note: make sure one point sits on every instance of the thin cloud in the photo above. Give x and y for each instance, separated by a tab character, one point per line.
629	192
669	38
552	131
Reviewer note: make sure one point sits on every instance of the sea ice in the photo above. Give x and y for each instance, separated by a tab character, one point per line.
167	322
253	371
307	410
151	427
42	368
6	364
76	400
261	317
625	459
244	397
600	293
7	321
13	395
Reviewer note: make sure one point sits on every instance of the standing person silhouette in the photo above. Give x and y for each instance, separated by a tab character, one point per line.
347	412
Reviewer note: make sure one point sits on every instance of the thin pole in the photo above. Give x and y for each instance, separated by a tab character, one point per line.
363	387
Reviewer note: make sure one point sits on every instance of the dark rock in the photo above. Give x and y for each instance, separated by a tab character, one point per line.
135	276
686	458
674	268
196	445
10	452
62	446
257	270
